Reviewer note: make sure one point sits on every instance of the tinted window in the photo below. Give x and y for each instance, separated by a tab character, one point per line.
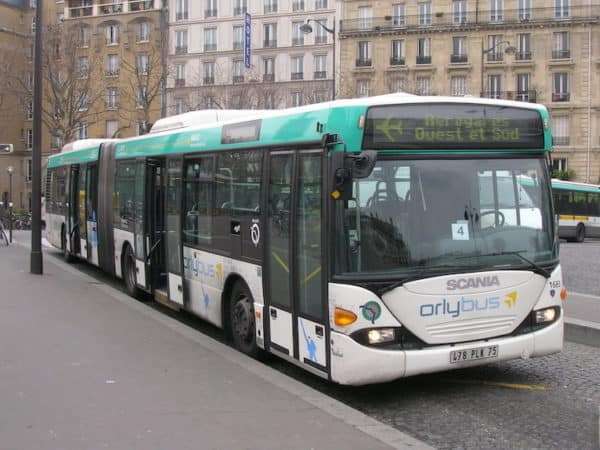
197	228
123	196
238	183
450	126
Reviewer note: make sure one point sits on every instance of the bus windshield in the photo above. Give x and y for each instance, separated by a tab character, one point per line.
446	214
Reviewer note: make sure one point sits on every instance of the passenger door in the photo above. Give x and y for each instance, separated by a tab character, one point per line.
295	284
73	243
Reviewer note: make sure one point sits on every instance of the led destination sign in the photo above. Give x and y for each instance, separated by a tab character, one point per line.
452	126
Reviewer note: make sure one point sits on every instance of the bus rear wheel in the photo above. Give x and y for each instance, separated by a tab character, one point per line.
242	320
580	233
129	273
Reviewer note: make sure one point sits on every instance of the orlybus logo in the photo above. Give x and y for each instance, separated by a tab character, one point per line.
511	299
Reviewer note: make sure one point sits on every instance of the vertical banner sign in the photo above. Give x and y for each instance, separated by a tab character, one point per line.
247	39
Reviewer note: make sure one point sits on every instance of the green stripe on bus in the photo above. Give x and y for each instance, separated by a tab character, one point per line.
562	186
73	157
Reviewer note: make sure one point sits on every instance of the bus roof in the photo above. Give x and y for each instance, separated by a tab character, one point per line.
573	186
306	124
78	152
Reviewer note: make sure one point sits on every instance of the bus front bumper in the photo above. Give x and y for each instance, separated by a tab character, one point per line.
356	364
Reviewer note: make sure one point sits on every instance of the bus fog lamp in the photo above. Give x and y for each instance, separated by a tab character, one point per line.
380	335
545	315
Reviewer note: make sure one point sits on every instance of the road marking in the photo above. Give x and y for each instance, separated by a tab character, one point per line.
519	386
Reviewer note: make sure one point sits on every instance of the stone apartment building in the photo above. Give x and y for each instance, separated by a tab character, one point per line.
288	67
545	51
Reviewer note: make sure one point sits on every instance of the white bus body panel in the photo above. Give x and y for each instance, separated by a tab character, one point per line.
53	227
92	232
312	347
357	364
120	238
176	288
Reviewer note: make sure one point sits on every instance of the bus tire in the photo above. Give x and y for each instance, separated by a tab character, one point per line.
63	245
242	320
580	233
128	269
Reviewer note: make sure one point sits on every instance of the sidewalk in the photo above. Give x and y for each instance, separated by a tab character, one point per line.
582	319
84	366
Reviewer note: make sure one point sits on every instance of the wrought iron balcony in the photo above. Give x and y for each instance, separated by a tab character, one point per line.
561	96
495	57
561	54
523	56
521	96
268	77
210	47
208	80
459	59
297	41
297	76
397	61
360	62
141	5
210	13
238	78
180	82
270	43
181	49
560	140
423	59
320	75
182	15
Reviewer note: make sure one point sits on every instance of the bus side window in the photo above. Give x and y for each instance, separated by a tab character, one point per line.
198	187
123	196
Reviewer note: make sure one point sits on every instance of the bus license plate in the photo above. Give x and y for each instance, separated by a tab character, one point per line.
472	354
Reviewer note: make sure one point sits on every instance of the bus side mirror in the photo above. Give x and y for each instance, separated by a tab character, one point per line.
363	164
348	167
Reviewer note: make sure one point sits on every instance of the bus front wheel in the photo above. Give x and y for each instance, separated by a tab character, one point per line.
580	233
129	273
242	320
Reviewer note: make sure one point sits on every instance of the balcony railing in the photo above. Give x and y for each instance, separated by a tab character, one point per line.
321	39
113	8
561	54
270	43
423	59
182	15
297	76
361	62
239	10
238	78
495	57
180	82
297	41
111	73
560	140
141	5
459	59
526	96
181	50
521	96
397	61
268	77
448	19
209	80
523	56
81	11
320	75
561	96
210	47
210	13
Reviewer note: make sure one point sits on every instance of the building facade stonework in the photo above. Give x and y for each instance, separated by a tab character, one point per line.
535	51
288	67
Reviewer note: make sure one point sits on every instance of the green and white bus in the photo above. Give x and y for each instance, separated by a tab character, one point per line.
363	240
578	208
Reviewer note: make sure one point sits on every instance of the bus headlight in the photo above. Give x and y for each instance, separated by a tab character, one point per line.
380	335
545	315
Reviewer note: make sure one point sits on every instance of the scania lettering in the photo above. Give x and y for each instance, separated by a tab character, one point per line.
363	240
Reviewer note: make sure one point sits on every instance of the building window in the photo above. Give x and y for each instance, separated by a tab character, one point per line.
496	10
320	33
320	65
494	84
181	41
320	4
423	86
297	5
238	37
523	92
83	66
270	6
112	65
181	10
112	34
211	8
270	35
269	69
180	106
179	75
56	141
142	63
364	54
494	42
560	165
523	47
424	51
112	98
459	11
82	131
297	34
425	13
29	111
397	58
142	97
562	47
84	36
397	84
238	71
28	170
524	10
560	87
84	101
561	9
143	32
112	127
210	39
29	142
142	128
458	86
459	50
363	88
209	72
297	63
560	130
240	7
296	98
398	14
365	17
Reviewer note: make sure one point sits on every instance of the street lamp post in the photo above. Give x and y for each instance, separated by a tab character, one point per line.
484	51
10	171
306	29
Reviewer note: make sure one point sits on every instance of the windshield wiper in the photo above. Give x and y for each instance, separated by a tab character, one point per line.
537	267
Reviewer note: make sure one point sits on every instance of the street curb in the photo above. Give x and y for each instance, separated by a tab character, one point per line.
582	332
372	427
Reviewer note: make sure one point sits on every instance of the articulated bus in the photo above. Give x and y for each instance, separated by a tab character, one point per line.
364	240
578	208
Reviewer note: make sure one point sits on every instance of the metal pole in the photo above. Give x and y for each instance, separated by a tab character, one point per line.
481	69
334	74
10	207
37	265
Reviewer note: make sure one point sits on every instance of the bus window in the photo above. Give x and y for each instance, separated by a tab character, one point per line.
123	197
579	203
238	179
197	228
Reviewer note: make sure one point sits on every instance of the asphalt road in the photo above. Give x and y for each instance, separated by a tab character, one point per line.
546	403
